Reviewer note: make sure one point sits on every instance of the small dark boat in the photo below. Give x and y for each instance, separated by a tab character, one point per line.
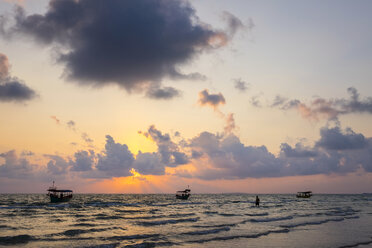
59	195
305	194
183	195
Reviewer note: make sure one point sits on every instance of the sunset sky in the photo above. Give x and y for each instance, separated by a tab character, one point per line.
149	96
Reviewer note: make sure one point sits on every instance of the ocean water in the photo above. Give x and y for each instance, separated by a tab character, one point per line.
210	220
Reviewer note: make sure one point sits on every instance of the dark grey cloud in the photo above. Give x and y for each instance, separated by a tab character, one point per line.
11	88
132	43
330	109
15	91
240	85
335	139
213	100
162	93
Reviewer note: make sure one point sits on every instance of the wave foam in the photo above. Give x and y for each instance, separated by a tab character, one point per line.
164	222
249	236
312	223
271	219
209	231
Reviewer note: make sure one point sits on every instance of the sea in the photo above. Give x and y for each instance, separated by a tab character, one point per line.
204	220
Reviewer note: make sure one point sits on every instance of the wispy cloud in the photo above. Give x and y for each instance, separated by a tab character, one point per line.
240	85
329	109
71	125
57	121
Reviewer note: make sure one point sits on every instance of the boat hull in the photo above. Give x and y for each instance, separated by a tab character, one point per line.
55	199
182	197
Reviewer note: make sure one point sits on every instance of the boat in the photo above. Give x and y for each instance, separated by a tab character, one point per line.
305	194
59	195
184	194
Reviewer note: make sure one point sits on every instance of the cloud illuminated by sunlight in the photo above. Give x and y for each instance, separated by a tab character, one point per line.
136	174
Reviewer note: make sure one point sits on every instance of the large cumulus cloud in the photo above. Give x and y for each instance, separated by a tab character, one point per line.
226	157
11	88
117	160
132	43
211	156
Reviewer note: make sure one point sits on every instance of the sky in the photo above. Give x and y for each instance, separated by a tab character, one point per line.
148	96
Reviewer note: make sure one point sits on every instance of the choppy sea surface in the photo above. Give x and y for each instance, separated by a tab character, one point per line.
210	220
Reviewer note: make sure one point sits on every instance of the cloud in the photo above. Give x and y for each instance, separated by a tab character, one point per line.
4	66
149	164
53	117
134	44
15	167
226	157
72	125
86	138
230	124
169	151
329	109
207	156
299	151
255	101
11	88
234	24
213	100
335	139
163	93
240	85
84	161
116	160
57	165
15	91
27	153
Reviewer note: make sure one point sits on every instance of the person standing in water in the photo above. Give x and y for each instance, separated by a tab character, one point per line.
257	201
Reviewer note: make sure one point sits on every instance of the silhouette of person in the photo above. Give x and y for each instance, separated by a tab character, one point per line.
257	201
